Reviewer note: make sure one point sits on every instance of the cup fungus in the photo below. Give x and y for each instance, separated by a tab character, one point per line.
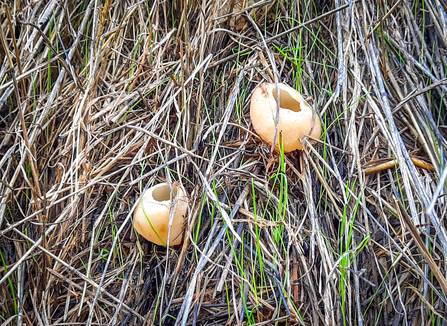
296	117
151	216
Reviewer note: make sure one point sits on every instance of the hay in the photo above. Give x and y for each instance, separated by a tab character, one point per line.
99	101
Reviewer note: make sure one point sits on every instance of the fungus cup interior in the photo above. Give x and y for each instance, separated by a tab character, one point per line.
286	100
163	193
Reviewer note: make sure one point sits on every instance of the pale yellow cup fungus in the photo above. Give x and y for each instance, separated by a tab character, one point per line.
151	216
296	117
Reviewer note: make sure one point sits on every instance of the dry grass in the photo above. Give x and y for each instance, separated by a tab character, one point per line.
99	100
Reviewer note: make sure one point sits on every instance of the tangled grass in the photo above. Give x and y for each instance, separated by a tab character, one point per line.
100	100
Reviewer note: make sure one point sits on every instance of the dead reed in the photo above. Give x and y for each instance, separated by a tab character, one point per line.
99	100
